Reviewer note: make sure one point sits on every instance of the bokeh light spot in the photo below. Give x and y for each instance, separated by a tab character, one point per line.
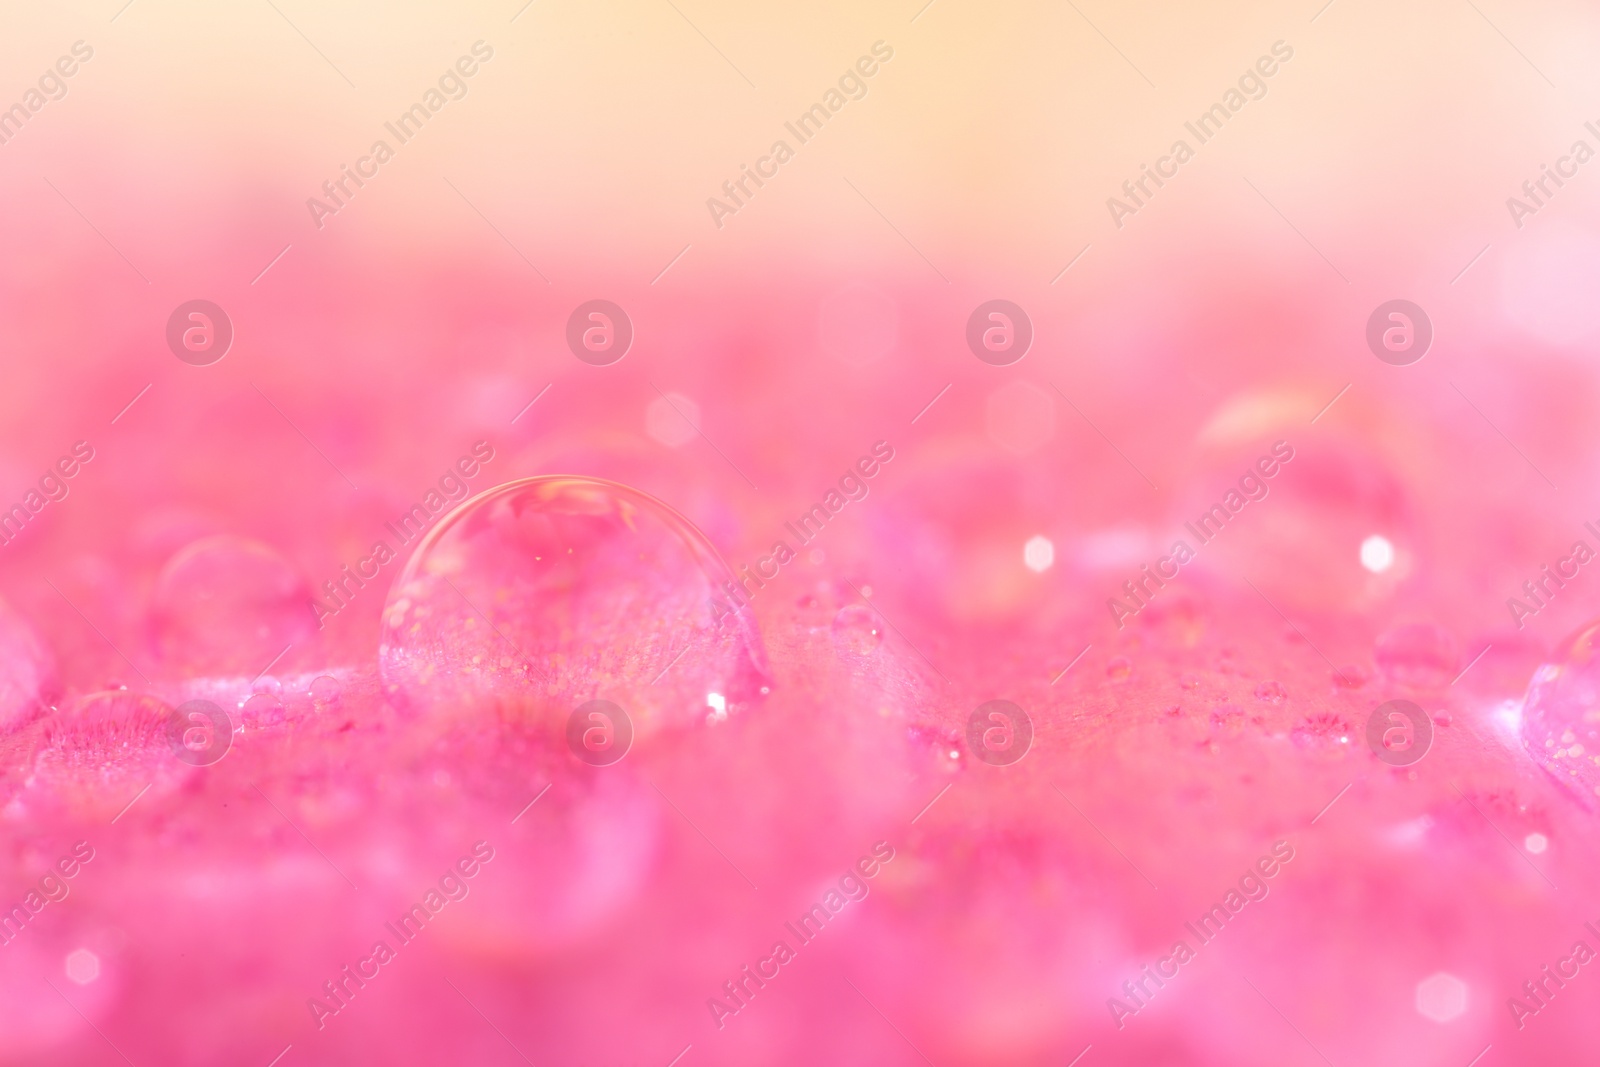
1377	554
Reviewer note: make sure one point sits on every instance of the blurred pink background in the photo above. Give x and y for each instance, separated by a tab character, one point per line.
426	321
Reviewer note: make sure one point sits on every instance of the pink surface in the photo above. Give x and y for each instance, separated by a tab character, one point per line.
590	705
1016	911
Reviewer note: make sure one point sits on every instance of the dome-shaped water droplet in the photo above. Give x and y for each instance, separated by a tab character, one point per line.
325	689
229	604
856	631
546	592
1561	716
28	679
1420	655
262	709
1271	692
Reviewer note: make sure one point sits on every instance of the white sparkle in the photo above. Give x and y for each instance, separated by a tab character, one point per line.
1507	718
1536	843
1038	554
1377	554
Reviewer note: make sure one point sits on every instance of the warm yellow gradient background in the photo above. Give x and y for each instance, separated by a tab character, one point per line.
990	141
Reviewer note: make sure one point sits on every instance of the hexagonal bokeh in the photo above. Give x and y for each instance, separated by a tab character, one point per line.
1441	997
82	966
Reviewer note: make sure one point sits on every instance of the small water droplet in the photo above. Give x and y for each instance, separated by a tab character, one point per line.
943	747
1323	728
544	592
1420	655
229	604
325	689
1271	692
856	631
1227	715
262	709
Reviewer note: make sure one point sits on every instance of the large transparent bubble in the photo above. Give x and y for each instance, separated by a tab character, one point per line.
230	605
539	595
28	679
1561	716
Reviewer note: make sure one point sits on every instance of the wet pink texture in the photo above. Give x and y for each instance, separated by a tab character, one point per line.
372	753
416	549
